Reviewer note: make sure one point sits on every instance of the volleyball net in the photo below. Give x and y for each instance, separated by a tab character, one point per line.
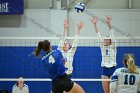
17	60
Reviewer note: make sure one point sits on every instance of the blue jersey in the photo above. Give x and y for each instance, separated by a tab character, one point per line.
54	64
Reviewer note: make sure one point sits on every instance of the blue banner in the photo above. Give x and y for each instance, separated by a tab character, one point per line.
11	7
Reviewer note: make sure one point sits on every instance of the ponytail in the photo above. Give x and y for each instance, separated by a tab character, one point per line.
38	49
130	63
42	45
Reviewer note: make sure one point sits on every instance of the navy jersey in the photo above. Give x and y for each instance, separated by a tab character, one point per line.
54	64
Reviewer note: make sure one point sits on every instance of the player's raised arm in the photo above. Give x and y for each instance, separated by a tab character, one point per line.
66	25
94	22
75	41
108	22
79	27
111	33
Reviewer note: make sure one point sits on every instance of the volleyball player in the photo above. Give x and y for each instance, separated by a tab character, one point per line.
127	78
20	87
108	50
53	63
67	51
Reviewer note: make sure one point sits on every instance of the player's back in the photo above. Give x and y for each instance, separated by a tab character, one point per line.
53	63
127	82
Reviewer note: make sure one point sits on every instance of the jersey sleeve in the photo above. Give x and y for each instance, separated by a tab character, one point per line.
99	35
101	39
111	34
60	45
113	83
14	89
74	45
26	88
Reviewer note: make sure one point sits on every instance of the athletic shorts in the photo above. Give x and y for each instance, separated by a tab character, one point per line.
108	71
62	83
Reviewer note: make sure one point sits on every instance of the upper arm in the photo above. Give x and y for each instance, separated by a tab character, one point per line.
111	33
26	88
100	39
99	36
60	45
74	45
14	89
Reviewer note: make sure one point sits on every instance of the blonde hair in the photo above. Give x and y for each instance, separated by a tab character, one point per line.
129	62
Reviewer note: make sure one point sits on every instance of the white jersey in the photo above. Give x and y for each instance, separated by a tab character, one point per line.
125	82
16	89
69	55
108	52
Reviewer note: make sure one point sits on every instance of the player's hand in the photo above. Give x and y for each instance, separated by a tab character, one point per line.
94	20
66	24
80	26
108	19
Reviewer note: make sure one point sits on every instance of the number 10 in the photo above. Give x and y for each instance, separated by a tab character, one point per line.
129	80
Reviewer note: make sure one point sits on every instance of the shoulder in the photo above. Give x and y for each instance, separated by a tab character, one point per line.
57	51
138	68
120	69
15	86
26	86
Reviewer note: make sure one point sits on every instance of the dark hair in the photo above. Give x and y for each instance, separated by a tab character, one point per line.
17	83
42	45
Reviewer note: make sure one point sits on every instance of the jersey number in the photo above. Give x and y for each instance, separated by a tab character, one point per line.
106	52
129	80
51	59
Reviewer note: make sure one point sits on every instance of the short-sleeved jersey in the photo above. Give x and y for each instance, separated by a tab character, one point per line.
53	63
16	89
125	82
108	52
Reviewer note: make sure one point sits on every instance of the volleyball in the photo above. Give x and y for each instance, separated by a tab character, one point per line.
80	7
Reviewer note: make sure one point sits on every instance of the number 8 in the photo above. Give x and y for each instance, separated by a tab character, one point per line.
106	52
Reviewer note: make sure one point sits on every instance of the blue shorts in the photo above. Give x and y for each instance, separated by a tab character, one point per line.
108	71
